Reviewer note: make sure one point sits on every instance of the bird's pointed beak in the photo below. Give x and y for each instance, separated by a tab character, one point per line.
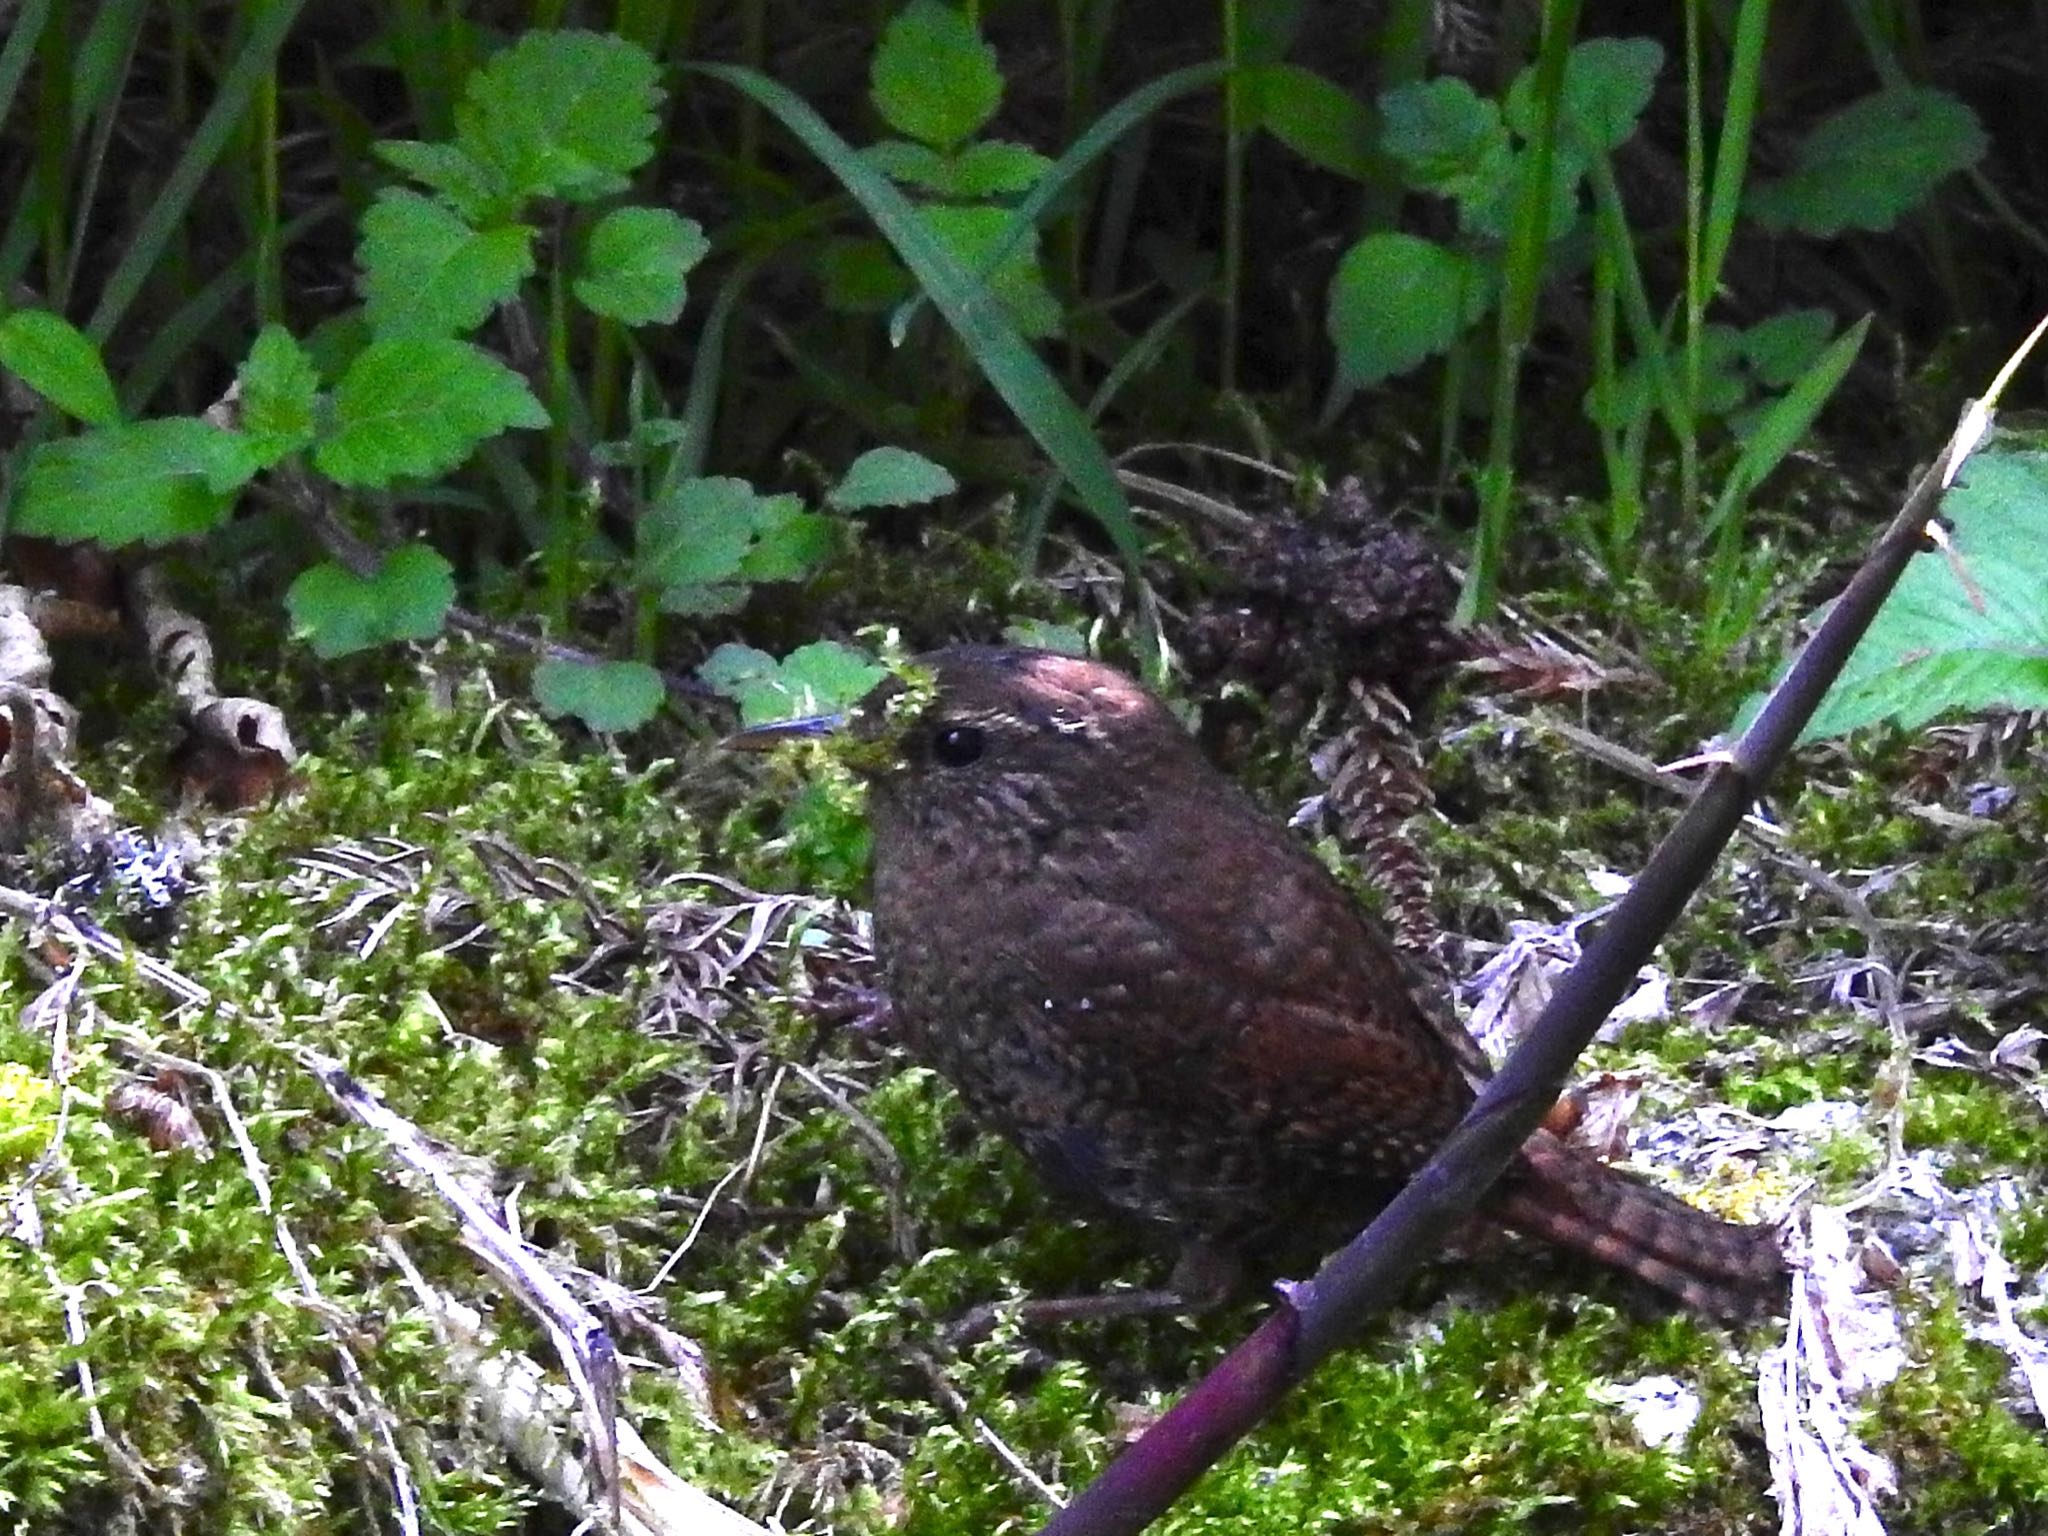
763	738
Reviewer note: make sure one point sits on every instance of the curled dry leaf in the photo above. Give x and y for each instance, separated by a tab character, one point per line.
237	752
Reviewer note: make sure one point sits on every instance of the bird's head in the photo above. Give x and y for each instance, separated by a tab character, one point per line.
1002	735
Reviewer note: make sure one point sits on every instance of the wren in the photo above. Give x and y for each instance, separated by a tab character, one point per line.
1155	990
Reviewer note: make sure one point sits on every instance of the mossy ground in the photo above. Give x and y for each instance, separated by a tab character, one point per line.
1490	1409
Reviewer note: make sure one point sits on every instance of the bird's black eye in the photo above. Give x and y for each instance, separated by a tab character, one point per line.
958	745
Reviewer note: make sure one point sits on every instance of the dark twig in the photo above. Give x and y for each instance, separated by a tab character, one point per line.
1319	1316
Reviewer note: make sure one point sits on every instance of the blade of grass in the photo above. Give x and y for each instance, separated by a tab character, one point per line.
1136	358
1528	242
170	342
104	64
1016	372
238	87
1102	136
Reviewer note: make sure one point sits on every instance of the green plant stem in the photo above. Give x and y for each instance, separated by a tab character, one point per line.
1528	241
566	532
1233	197
263	154
1624	468
1693	357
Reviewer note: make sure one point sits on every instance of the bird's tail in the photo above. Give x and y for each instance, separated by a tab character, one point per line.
1716	1267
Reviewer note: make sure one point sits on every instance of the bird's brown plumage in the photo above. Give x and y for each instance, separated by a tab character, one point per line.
1158	993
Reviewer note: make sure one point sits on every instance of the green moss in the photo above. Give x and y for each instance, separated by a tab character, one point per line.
1966	1465
1986	1127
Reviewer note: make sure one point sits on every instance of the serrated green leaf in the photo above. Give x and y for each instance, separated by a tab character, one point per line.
143	482
406	598
861	276
134	482
1313	116
915	165
1871	162
933	79
697	535
1397	300
417	406
1448	139
789	543
1046	635
278	389
1967	634
986	169
426	272
823	677
994	168
636	263
890	477
974	234
732	666
1608	82
55	359
475	190
607	696
562	114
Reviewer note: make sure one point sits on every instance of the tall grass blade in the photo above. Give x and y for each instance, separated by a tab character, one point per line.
1016	372
238	88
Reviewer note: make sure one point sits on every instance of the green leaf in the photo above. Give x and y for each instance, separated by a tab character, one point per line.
789	543
1871	162
1942	643
279	387
635	265
986	169
562	114
146	482
417	406
406	598
1608	82
861	276
1447	138
1311	115
1046	635
607	696
697	535
709	536
53	357
915	165
823	677
890	477
1783	347
427	273
975	234
933	79
1785	423
994	168
1397	300
475	190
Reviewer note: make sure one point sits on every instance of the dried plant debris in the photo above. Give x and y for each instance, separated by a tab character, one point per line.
1841	1341
1340	592
42	797
237	752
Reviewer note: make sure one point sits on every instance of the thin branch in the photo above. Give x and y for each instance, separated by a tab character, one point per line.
1322	1315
